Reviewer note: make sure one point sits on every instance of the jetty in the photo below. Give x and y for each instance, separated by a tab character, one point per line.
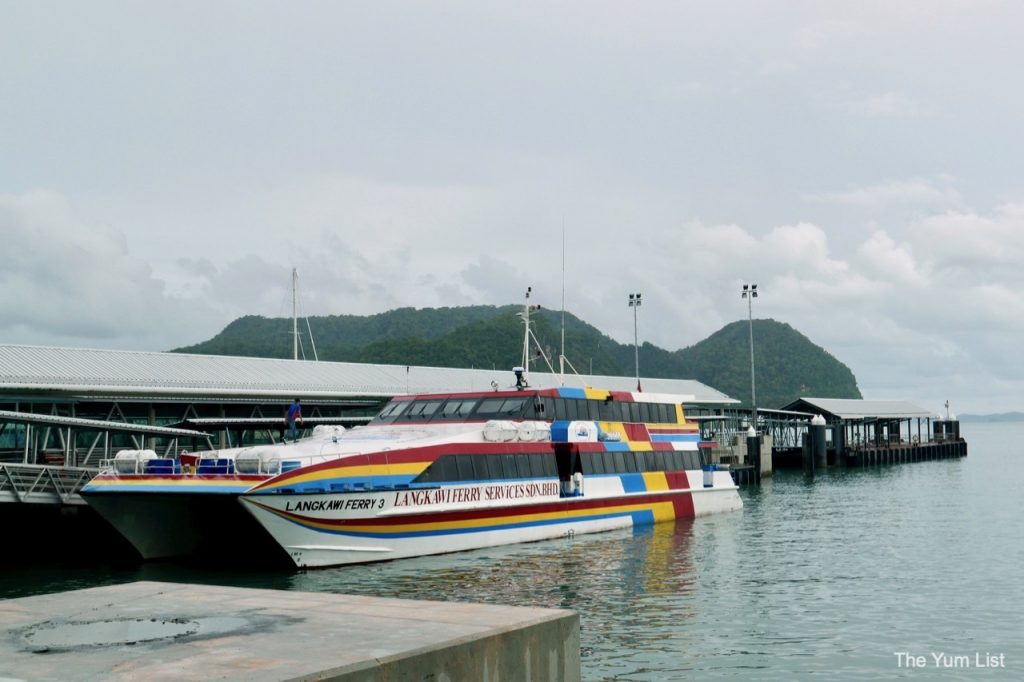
171	631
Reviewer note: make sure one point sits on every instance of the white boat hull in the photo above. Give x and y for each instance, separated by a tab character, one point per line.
318	530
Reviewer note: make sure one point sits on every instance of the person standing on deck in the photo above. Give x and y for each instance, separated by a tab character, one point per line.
294	414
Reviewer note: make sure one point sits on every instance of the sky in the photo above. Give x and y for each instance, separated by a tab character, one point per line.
164	166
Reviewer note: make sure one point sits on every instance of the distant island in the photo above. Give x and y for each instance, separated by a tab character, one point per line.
788	364
1001	417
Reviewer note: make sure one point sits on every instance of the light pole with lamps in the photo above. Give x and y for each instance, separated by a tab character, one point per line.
750	293
634	303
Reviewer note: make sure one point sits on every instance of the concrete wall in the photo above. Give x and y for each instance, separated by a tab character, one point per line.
545	650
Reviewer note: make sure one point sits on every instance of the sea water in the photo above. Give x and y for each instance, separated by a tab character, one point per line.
906	571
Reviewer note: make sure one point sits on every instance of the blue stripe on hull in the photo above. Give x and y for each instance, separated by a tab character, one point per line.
638	518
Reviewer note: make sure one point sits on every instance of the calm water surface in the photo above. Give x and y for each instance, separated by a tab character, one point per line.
825	578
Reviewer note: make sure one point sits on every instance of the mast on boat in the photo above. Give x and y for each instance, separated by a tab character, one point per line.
295	314
295	322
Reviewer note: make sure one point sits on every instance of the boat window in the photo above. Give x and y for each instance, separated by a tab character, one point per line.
506	408
457	408
392	410
634	412
619	462
421	410
571	410
588	464
513	407
449	469
523	464
489	406
538	408
549	406
667	462
480	471
645	412
659	461
560	409
629	458
678	462
641	461
433	473
465	466
508	466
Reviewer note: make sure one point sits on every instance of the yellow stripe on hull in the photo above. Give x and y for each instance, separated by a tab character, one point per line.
662	511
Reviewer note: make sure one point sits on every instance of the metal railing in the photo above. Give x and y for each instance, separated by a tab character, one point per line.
42	484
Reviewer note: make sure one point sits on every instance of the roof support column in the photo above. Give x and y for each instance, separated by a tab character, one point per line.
224	432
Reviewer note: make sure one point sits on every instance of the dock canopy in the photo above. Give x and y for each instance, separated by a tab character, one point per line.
844	409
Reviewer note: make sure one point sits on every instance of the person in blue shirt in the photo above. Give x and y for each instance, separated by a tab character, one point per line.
294	415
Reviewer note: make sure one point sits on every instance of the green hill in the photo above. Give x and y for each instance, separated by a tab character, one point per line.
788	364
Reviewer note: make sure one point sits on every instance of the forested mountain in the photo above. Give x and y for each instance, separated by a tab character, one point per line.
788	364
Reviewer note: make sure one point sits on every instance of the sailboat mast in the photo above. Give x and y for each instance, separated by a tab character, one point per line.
295	314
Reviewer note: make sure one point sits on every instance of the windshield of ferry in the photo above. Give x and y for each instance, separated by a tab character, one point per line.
455	409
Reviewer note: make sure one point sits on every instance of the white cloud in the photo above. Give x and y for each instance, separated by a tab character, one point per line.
914	192
884	104
68	281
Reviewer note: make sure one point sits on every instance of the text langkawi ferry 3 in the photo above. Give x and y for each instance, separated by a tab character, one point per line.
518	466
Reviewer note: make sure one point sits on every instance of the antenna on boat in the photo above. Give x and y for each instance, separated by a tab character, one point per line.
295	314
561	355
295	321
527	335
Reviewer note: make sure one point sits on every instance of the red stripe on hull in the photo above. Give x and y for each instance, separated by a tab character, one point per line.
683	508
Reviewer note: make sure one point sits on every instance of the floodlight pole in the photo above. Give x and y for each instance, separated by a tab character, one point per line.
634	303
750	293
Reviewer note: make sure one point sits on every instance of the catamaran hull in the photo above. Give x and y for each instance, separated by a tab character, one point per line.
320	530
203	526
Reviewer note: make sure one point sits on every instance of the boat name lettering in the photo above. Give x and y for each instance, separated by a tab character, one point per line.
334	504
510	491
517	491
437	496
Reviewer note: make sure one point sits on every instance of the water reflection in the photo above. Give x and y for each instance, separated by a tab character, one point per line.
824	577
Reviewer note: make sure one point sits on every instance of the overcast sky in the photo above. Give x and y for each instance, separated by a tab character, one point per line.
163	166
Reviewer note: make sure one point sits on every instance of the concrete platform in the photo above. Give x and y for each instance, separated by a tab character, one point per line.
169	631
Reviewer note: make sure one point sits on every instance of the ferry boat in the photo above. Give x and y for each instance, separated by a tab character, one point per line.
507	467
188	505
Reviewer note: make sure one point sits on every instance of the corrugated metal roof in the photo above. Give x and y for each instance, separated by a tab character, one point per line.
97	424
83	371
860	409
